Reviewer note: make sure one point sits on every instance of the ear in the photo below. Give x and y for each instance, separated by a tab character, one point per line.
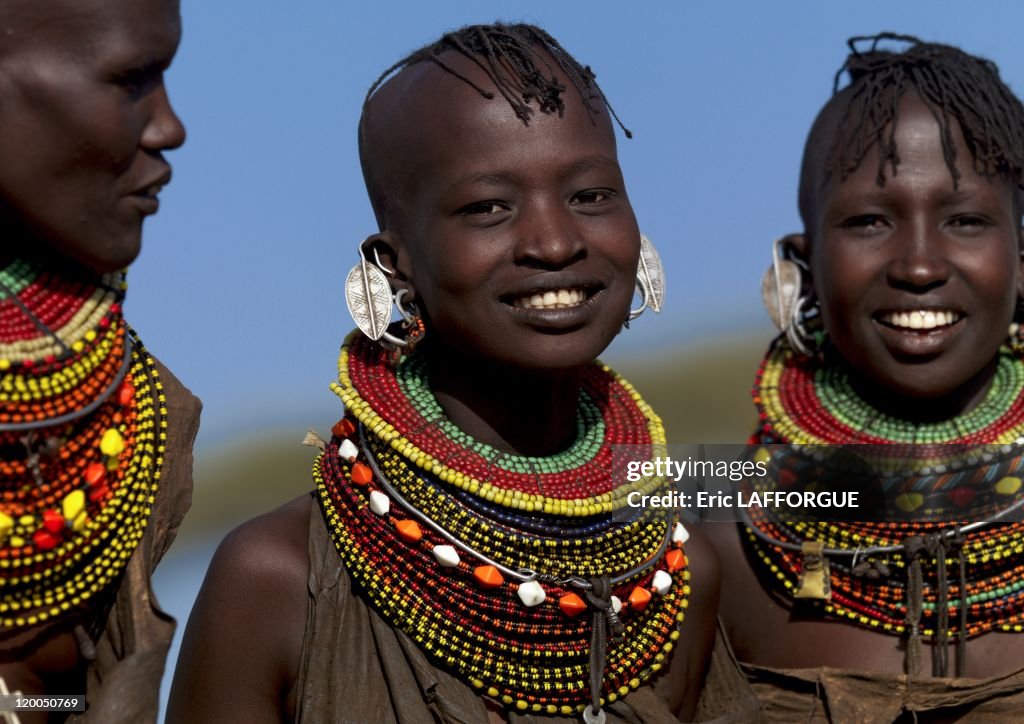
797	248
387	251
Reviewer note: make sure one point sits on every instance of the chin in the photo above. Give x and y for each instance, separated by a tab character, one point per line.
105	257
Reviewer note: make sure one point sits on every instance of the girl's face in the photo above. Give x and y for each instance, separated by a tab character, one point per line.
521	242
84	117
918	281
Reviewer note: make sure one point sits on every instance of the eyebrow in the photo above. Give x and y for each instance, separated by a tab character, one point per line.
582	165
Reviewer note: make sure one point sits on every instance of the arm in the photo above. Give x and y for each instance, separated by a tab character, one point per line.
697	638
240	654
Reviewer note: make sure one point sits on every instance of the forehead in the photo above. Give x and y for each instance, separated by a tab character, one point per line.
922	166
86	29
430	120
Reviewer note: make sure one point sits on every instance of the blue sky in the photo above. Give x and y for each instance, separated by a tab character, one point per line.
238	288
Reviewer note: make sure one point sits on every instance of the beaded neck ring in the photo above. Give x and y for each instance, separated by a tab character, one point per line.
456	544
914	577
82	432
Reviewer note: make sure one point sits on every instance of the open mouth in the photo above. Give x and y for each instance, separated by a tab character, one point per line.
151	191
552	299
920	320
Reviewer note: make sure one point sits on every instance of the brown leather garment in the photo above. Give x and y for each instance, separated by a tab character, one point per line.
124	680
840	696
355	668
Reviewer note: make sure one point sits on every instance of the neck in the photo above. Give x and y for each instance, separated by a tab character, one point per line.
522	412
925	410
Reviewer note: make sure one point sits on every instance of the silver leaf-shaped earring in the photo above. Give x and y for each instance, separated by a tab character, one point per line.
369	299
650	280
781	294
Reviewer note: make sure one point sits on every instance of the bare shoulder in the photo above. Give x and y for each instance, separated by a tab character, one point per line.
269	549
241	649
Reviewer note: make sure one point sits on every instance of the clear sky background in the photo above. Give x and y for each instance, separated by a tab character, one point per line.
238	288
239	285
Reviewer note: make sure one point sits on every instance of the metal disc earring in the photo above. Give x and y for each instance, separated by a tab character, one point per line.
782	296
650	280
369	299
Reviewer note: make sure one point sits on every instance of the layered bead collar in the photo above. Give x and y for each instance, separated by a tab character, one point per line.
82	431
907	574
502	567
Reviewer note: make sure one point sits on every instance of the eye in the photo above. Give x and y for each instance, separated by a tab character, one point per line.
970	223
591	197
136	82
484	208
865	223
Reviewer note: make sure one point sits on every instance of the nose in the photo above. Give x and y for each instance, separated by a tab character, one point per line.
164	131
549	237
919	262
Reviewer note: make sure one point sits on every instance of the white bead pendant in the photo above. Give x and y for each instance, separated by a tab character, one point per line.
661	583
531	594
616	604
347	451
446	555
379	503
680	534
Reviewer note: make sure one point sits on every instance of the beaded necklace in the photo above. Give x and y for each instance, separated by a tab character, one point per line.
428	523
974	462
82	432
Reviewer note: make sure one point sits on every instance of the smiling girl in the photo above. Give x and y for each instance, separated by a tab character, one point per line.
910	269
459	561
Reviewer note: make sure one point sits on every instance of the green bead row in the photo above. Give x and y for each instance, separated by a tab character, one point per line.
413	379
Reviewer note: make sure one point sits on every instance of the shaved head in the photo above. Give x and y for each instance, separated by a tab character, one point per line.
519	64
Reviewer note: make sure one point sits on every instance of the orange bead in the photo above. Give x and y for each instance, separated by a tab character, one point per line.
488	576
409	530
95	473
639	598
125	394
675	559
343	428
572	605
361	474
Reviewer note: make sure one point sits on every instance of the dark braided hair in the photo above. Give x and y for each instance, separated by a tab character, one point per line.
515	58
954	85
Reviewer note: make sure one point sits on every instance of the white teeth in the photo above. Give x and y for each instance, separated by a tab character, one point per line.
555	299
921	319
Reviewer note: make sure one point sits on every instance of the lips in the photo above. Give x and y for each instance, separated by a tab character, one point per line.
152	188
